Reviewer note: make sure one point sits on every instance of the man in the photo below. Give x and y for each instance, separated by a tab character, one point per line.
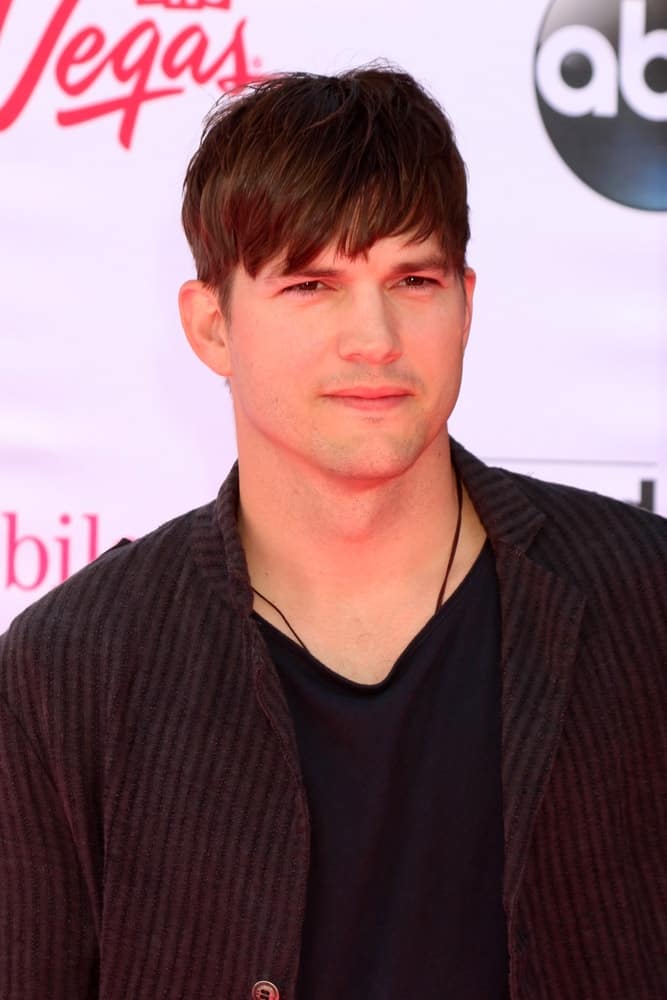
380	721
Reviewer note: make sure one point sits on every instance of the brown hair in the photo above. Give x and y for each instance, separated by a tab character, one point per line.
300	161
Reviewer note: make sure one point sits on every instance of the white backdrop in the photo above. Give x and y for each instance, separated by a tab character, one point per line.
108	425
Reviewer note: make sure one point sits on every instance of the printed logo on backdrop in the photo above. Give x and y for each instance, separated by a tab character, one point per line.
601	81
30	560
100	75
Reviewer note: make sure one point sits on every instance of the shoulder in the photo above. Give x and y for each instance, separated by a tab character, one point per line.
614	553
598	522
557	498
105	614
579	535
143	570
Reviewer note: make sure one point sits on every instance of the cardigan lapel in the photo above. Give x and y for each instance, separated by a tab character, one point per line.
227	571
541	614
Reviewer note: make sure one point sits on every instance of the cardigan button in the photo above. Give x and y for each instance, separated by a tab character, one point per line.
265	991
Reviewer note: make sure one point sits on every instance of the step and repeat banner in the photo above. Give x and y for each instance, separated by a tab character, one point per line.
108	424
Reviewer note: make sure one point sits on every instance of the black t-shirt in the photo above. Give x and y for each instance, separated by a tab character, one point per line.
403	782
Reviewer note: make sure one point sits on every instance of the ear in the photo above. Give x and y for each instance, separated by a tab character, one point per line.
469	282
205	326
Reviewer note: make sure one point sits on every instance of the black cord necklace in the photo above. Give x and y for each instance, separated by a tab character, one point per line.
441	593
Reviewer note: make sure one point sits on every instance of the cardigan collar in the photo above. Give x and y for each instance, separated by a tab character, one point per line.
505	511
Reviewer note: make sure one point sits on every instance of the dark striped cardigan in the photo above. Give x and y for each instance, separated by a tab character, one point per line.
154	832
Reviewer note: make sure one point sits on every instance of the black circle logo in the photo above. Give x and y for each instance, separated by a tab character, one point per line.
601	82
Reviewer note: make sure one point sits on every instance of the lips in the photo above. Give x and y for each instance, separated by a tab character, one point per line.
372	400
369	392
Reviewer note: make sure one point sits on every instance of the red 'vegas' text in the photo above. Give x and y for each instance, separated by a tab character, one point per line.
145	65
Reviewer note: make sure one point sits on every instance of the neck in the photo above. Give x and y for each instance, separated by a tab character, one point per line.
319	539
354	573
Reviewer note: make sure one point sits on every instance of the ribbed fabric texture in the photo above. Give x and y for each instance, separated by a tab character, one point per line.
153	825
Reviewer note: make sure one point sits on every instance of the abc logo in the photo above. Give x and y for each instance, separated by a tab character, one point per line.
601	81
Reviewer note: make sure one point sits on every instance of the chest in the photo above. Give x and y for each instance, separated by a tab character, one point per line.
404	791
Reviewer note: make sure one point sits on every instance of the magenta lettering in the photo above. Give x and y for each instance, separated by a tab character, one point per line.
236	53
17	100
127	66
93	524
30	559
180	56
64	544
84	46
133	61
14	543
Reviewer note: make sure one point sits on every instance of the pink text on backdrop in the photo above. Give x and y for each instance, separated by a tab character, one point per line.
134	60
30	559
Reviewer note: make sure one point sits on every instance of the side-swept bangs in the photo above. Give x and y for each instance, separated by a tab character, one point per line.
301	161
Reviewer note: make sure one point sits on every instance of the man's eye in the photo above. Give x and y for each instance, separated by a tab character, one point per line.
304	287
417	281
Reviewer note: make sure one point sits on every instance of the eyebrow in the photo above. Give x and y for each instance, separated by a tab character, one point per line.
431	262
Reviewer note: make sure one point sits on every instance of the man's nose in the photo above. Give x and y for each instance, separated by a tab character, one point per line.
368	329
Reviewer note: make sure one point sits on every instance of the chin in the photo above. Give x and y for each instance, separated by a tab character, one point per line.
370	468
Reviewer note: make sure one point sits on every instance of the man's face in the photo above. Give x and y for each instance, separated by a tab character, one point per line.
352	366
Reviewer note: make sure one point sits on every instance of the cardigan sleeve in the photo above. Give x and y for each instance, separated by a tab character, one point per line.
48	947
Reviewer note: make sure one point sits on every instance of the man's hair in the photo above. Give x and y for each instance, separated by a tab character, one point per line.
301	161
